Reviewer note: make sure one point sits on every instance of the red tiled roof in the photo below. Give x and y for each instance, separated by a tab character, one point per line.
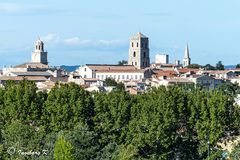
166	73
18	78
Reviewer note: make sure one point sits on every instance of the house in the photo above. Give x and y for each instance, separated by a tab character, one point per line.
205	81
117	72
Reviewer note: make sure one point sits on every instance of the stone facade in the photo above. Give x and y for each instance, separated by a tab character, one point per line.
139	51
39	55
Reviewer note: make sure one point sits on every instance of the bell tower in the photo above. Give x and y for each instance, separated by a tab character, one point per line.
39	55
139	51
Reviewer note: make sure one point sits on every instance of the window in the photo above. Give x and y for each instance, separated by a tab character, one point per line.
102	77
135	63
134	54
98	76
136	77
132	44
85	76
127	77
137	44
85	69
114	76
119	76
122	76
143	63
144	54
140	77
131	76
132	63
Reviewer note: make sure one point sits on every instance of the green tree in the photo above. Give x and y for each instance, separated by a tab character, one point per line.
63	149
209	67
84	142
219	66
194	66
122	62
66	106
237	66
110	82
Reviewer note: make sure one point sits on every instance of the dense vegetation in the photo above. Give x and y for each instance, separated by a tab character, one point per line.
71	123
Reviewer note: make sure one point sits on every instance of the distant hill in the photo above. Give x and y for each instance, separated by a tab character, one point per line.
230	67
73	68
69	68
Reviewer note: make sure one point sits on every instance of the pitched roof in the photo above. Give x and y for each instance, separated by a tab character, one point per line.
31	65
113	68
168	73
30	78
32	74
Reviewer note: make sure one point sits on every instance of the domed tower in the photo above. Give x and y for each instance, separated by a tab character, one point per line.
39	55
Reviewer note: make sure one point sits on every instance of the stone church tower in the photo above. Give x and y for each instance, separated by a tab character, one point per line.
186	59
139	51
39	55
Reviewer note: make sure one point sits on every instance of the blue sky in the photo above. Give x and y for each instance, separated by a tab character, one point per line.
79	32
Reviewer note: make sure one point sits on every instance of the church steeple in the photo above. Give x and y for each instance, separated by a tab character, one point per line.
186	54
39	55
186	59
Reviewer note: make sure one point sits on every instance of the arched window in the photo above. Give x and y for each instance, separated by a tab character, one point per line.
134	54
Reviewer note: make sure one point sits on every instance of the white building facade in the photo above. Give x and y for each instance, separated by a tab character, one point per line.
119	73
162	58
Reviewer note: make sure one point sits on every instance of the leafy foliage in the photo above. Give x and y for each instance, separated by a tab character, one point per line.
71	123
219	66
194	66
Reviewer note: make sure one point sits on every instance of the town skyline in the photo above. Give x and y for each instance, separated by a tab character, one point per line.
84	33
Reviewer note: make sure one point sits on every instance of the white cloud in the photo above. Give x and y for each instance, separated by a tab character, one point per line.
13	8
76	41
51	38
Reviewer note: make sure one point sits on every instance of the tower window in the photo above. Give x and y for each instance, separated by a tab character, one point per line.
134	54
132	44
137	44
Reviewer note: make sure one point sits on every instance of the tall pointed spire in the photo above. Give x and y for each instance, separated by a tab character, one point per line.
186	53
186	58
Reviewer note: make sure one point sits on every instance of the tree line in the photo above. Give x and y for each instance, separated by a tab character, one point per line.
71	123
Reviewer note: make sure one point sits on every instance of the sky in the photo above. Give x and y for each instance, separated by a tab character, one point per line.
77	32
